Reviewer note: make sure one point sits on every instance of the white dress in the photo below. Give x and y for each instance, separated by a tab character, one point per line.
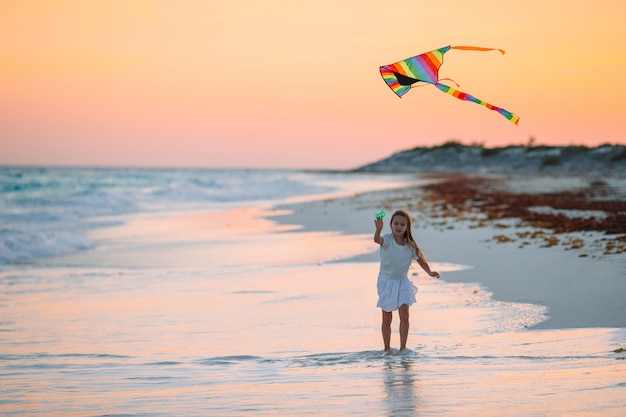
394	286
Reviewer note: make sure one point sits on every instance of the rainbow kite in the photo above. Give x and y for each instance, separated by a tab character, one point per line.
401	76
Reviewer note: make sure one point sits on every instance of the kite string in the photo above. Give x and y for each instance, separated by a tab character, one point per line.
450	79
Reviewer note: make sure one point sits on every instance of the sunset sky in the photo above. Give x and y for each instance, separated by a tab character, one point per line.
295	84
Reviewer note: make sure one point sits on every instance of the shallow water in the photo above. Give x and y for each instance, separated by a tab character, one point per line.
193	315
101	341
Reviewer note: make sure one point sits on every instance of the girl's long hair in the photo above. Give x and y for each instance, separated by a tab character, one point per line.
408	235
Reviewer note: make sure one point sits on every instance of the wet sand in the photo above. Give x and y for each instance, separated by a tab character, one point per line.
574	266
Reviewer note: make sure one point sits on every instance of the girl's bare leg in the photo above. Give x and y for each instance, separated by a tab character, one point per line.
403	312
386	329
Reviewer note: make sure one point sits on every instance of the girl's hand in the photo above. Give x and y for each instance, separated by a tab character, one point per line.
379	224
434	274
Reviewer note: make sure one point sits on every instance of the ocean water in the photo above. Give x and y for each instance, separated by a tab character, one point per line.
149	292
50	211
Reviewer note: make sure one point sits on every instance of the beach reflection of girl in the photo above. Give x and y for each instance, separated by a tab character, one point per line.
395	290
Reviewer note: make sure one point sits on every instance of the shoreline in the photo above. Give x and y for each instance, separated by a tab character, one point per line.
581	285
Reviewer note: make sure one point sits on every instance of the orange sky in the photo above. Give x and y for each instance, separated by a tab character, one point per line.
283	83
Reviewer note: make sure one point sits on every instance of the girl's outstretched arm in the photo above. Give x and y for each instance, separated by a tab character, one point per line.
426	268
379	226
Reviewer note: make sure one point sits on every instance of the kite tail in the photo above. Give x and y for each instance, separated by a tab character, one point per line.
464	96
477	48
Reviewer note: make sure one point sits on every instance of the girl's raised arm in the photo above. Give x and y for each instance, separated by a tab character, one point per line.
379	226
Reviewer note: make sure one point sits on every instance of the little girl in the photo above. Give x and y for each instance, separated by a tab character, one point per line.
395	290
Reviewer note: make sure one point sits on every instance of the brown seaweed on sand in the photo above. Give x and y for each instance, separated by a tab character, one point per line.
468	194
